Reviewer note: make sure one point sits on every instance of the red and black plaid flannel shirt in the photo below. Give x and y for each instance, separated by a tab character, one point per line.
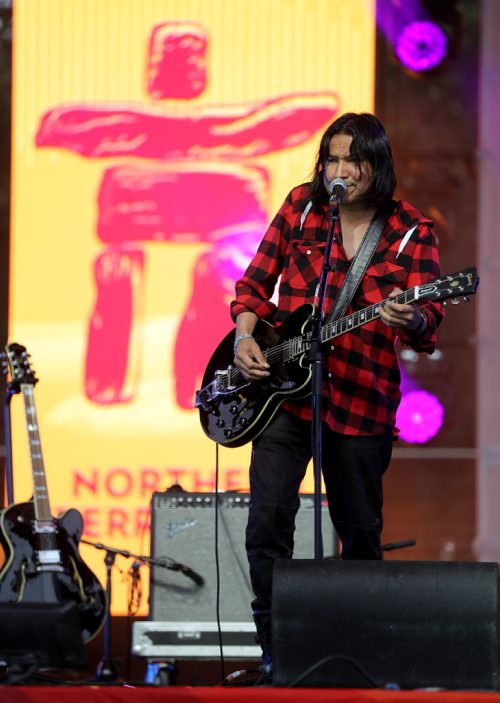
363	378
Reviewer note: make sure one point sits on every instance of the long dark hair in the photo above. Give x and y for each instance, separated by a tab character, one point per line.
370	143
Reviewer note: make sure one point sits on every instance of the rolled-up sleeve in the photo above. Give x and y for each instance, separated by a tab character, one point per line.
255	288
424	268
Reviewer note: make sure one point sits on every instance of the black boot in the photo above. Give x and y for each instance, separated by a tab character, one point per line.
263	638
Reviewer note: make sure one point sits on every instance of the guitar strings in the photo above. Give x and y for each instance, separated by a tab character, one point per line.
337	327
329	331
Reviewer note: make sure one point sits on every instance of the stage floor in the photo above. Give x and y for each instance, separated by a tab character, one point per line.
128	693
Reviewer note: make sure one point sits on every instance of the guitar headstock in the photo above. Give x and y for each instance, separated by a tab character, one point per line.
454	285
17	363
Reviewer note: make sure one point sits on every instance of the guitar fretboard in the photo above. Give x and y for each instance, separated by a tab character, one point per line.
292	348
362	317
40	492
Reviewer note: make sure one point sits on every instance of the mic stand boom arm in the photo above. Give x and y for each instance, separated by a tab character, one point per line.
164	562
106	670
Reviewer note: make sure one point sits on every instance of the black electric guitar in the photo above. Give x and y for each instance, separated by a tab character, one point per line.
234	411
42	563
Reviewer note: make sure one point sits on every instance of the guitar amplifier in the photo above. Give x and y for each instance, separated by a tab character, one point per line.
183	614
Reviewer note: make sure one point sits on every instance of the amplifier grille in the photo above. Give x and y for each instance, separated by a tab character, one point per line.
183	529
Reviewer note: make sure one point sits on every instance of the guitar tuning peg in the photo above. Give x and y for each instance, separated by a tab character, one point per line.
455	301
466	299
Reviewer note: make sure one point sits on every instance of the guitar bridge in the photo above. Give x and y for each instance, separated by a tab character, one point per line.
221	385
222	381
44	527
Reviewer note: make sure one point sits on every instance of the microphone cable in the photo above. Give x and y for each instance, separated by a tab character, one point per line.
135	589
217	565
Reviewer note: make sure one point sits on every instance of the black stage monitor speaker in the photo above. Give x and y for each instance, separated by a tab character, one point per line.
365	623
39	635
183	529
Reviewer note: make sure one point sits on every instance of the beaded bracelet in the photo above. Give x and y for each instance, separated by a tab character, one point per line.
245	335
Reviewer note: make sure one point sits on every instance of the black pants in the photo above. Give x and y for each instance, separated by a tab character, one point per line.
352	470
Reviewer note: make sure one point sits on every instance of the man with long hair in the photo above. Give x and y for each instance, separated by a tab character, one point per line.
361	384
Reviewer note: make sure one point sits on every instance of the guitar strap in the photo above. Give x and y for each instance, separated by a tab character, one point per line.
360	262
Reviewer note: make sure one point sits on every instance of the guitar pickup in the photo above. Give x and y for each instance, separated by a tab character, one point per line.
46	527
47	557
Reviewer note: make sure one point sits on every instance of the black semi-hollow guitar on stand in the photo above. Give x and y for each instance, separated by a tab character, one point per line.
233	411
43	564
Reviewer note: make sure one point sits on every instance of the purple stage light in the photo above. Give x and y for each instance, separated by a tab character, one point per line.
421	46
420	416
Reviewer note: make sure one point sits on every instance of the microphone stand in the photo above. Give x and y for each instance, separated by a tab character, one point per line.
316	362
13	387
106	669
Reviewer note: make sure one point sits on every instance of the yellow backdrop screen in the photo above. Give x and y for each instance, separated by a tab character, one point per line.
153	141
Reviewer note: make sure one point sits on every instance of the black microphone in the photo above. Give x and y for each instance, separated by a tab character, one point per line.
336	189
199	580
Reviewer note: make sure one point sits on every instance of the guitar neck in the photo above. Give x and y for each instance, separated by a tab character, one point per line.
295	347
40	492
362	317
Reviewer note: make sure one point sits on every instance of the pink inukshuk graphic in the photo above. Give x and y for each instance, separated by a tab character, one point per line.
205	151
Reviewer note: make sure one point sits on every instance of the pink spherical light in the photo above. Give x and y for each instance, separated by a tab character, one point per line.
421	46
420	416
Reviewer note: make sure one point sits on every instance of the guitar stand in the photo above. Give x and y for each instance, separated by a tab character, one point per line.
13	387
